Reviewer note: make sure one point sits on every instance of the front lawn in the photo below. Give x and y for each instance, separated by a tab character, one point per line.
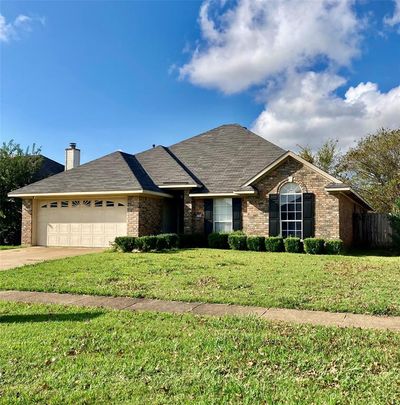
56	355
363	284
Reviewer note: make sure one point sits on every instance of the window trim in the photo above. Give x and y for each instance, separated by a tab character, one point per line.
287	221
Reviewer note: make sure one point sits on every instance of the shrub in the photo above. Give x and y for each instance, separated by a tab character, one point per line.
274	244
167	241
334	247
125	243
314	246
237	241
194	240
256	243
293	245
146	243
218	240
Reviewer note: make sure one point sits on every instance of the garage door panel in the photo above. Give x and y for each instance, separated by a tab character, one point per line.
80	226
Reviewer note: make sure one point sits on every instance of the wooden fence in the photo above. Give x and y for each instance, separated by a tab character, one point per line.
372	230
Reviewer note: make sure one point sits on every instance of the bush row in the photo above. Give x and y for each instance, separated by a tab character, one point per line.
239	241
234	240
161	242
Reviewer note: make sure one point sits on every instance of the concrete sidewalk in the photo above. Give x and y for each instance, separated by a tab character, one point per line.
178	307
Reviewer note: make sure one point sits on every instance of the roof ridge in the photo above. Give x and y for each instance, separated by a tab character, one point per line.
205	132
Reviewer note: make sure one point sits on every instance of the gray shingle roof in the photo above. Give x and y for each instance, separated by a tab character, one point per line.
163	168
117	171
224	158
220	161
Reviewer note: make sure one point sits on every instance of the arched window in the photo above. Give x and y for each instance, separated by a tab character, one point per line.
291	210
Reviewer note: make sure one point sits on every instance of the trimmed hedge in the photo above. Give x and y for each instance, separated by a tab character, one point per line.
334	247
293	245
314	246
125	243
195	240
218	240
237	241
167	241
256	243
146	243
274	244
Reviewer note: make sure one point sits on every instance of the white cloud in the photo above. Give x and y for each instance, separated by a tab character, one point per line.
256	39
306	110
395	18
12	30
275	45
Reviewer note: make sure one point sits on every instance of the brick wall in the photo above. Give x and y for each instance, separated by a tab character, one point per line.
26	225
144	216
255	208
198	215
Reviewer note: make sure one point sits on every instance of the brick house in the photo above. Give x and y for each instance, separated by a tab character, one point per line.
222	180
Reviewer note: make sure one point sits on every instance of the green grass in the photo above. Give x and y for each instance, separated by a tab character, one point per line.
8	247
56	355
362	284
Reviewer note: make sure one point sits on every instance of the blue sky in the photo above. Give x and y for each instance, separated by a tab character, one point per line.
125	74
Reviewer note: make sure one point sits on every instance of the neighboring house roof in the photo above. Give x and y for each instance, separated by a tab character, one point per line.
116	172
48	167
225	157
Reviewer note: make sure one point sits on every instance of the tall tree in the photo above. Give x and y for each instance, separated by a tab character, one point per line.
327	157
373	168
17	169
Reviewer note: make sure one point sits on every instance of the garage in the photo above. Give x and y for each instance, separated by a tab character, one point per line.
87	223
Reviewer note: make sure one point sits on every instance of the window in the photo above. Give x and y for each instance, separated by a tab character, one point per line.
44	206
291	210
64	204
86	203
75	204
98	203
53	204
121	205
109	203
222	215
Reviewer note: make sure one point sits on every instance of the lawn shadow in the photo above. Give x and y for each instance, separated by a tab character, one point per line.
74	317
372	252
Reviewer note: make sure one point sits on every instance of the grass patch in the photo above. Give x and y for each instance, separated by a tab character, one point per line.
367	284
8	247
53	355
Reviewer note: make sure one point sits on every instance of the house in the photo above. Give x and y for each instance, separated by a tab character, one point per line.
222	180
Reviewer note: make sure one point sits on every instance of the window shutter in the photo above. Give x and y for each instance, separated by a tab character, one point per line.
308	215
237	214
274	222
208	216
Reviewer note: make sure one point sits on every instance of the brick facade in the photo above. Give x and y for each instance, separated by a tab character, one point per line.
144	216
333	214
255	211
26	225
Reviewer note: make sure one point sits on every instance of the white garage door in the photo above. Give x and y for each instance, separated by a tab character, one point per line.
80	222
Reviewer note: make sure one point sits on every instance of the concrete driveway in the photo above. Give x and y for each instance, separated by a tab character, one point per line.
35	254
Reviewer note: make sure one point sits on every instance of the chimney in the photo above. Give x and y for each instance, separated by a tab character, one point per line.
72	156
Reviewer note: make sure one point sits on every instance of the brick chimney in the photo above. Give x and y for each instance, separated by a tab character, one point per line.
72	156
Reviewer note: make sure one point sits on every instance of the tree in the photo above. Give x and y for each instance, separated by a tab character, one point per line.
373	168
394	218
17	169
327	157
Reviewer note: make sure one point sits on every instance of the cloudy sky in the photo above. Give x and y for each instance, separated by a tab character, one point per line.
125	75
